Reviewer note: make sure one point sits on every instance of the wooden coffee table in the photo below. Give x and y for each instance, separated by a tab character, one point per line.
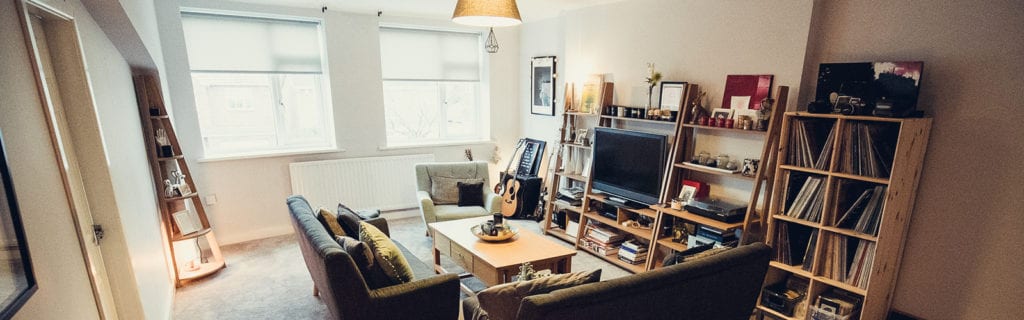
496	262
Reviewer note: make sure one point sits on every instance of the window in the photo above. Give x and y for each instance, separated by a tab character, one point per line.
259	84
432	86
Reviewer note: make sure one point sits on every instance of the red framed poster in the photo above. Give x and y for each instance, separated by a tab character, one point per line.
746	91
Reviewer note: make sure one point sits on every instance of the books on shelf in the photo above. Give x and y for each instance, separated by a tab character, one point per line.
807	148
868	149
865	214
809	201
601	240
633	252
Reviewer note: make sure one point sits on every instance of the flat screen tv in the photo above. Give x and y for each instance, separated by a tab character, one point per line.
629	165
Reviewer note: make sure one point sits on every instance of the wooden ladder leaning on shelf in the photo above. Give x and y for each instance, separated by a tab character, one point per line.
147	90
755	223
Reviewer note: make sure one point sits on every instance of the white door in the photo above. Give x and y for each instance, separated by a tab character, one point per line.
44	25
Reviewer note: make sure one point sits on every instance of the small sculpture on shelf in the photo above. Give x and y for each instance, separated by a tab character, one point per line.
750	167
163	143
764	114
178	184
697	111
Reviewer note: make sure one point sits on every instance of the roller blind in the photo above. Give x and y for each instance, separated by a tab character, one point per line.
245	44
414	54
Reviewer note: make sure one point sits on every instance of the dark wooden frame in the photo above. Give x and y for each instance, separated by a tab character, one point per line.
533	83
661	93
19	298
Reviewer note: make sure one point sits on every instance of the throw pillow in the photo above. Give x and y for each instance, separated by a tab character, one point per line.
364	259
471	194
387	254
349	220
445	190
502	301
330	222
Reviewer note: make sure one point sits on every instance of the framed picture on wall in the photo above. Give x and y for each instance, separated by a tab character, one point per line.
592	94
542	85
19	281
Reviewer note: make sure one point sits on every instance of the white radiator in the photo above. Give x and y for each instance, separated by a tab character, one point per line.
386	183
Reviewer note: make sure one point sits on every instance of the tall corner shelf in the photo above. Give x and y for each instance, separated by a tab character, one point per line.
147	91
872	271
682	139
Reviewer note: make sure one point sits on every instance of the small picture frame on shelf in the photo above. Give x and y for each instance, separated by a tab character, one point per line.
183	219
671	96
581	137
721	113
686	194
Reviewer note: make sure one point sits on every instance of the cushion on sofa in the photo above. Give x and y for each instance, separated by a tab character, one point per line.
349	220
330	221
444	190
387	255
502	301
364	259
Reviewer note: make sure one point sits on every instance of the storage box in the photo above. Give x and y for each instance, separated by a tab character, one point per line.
816	313
780	298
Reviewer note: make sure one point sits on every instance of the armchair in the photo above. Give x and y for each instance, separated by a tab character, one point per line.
459	170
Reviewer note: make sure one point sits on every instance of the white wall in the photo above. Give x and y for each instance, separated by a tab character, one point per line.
695	41
57	260
962	256
251	192
122	200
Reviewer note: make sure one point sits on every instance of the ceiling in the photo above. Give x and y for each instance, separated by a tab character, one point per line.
531	10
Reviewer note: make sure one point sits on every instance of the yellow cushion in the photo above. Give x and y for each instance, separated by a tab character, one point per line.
388	256
331	220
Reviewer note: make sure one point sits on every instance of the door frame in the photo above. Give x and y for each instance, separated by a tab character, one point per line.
92	257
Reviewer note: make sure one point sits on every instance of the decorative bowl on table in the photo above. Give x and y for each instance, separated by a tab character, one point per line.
505	232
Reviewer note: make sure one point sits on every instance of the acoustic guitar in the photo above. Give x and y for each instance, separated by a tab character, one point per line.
508	187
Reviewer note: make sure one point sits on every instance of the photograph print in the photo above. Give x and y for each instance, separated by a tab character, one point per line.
542	85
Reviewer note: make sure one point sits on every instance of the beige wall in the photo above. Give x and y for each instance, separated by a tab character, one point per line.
696	41
56	257
251	192
962	259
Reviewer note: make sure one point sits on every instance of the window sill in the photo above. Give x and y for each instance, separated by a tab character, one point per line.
269	155
435	144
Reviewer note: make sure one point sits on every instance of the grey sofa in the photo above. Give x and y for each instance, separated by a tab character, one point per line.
724	286
461	170
343	289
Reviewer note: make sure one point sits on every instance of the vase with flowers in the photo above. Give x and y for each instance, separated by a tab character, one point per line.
653	77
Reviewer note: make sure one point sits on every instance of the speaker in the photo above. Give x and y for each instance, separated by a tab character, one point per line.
528	195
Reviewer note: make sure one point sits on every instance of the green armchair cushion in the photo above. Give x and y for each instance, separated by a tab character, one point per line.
445	190
501	302
387	254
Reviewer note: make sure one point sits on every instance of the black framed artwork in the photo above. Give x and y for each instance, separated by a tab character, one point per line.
17	280
542	85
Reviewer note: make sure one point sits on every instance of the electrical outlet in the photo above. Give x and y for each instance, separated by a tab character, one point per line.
211	199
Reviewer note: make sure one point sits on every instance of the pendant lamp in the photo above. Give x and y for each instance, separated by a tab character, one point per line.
487	13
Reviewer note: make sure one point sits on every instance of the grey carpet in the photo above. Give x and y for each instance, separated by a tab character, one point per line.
267	278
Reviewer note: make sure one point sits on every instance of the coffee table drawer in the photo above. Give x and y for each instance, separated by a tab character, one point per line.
462	257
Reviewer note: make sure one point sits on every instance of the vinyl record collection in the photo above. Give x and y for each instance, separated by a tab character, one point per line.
808	149
794	244
866	212
809	200
849	260
869	149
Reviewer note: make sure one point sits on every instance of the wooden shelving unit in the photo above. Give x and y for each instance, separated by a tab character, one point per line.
682	138
147	90
909	138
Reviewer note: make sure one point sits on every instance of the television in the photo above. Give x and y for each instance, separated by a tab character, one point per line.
629	165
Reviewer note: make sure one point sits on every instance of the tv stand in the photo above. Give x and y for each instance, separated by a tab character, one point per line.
620	202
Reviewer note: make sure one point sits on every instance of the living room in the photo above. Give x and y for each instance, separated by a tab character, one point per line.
970	50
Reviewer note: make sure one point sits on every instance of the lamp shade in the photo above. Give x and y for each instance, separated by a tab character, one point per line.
487	13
